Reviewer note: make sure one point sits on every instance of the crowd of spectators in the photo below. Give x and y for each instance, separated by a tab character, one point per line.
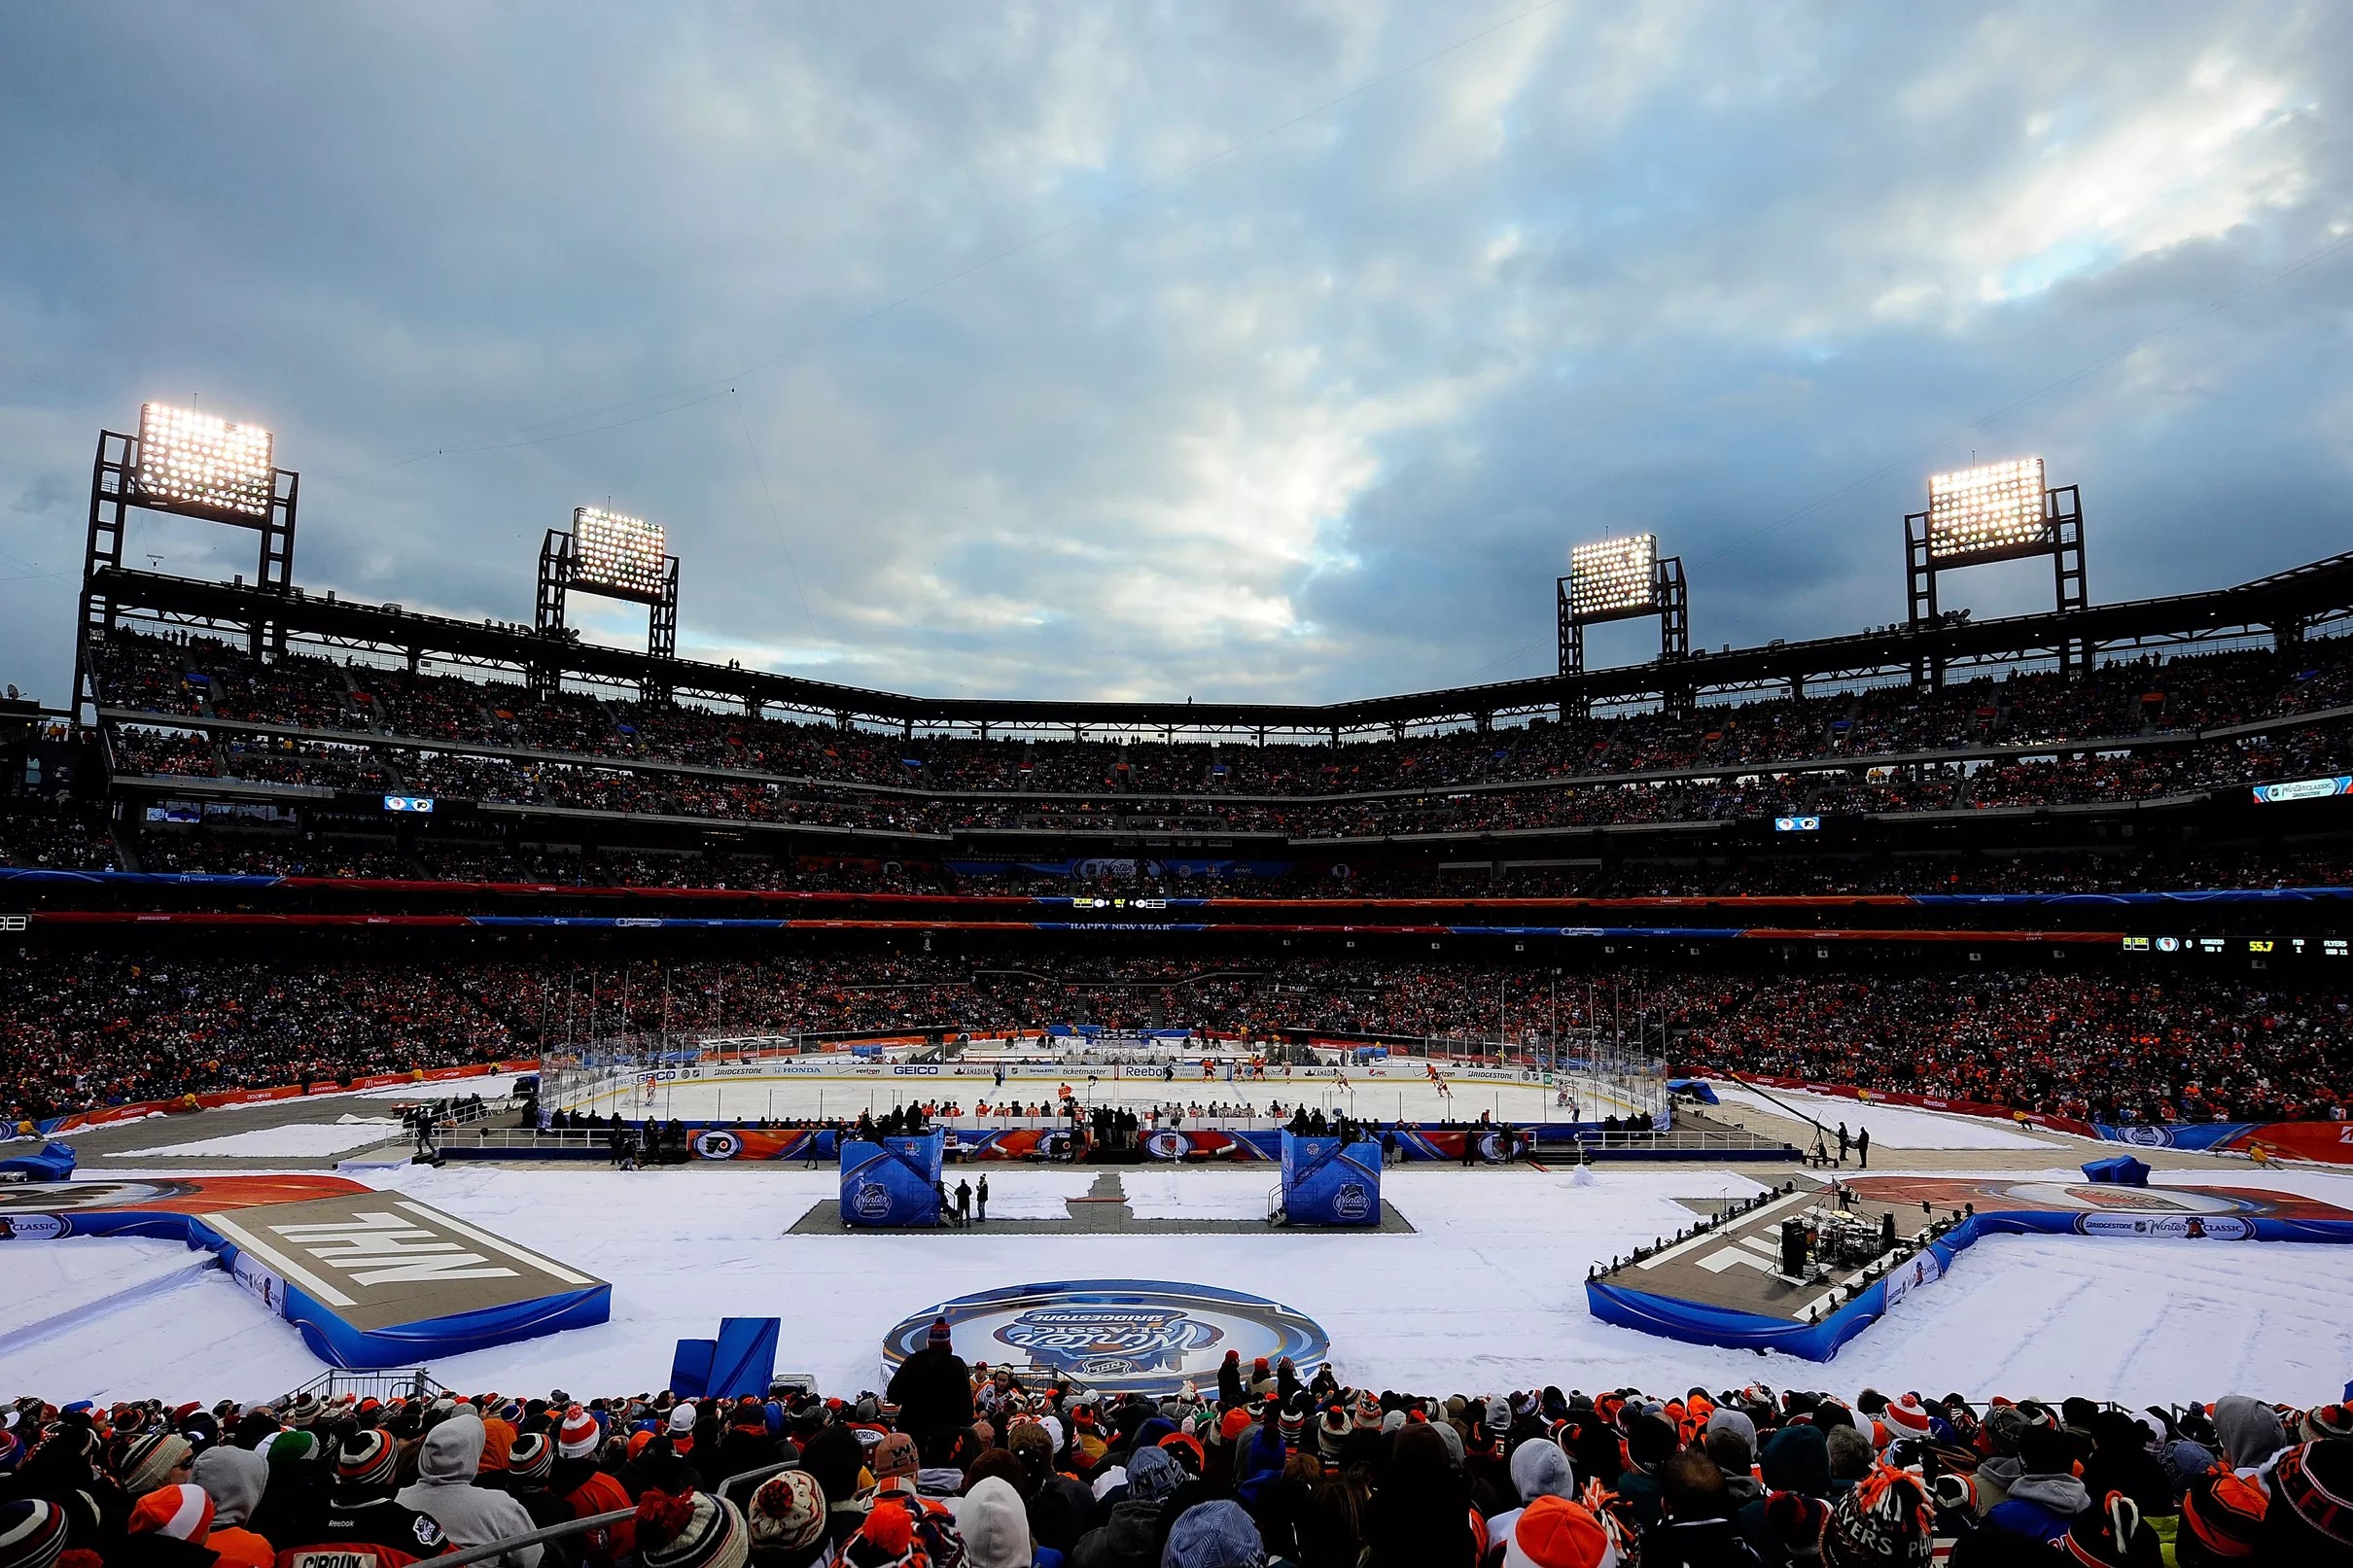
973	1466
39	836
827	776
69	838
2114	1046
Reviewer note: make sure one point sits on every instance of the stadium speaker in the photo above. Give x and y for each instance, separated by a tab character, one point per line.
1793	1249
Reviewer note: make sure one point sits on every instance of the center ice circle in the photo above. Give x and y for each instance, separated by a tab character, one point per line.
1142	1335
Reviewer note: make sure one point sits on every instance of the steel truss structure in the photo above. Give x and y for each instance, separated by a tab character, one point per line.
2061	539
271	609
1670	602
115	493
560	576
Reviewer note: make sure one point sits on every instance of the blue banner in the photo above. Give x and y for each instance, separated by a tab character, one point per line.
891	1182
1327	1183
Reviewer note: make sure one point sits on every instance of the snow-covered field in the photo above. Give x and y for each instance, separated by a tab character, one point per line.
1893	1127
1487	1295
293	1141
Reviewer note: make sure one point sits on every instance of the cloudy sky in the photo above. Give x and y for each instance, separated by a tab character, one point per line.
1269	350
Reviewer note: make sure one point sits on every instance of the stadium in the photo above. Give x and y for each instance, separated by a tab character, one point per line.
473	1089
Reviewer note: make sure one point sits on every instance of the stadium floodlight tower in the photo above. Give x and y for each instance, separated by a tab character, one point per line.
614	557
1622	579
189	465
1995	511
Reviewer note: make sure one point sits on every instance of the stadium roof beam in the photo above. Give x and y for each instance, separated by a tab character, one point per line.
2318	591
1994	511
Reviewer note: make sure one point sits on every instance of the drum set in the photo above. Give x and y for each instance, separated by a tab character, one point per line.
1830	1236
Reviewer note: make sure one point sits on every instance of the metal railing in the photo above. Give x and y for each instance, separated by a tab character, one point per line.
413	1382
490	1549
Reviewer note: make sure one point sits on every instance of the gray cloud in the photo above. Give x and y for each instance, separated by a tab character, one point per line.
1317	418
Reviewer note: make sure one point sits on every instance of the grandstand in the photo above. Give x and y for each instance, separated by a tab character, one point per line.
577	952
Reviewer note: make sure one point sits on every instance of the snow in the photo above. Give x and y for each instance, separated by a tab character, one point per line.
1200	1195
1892	1127
1487	1294
1022	1193
294	1141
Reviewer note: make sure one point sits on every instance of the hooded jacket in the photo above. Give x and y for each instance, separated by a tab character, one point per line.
2040	1506
235	1478
470	1515
995	1525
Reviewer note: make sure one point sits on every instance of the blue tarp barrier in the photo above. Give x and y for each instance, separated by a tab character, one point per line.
893	1182
690	1368
1324	1183
55	1163
2121	1169
745	1362
1699	1088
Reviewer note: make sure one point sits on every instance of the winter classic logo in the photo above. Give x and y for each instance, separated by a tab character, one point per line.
1352	1202
1142	1335
873	1201
1107	1342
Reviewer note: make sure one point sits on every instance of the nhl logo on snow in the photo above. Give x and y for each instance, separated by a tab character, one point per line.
1107	1342
873	1201
1130	1336
717	1145
1352	1202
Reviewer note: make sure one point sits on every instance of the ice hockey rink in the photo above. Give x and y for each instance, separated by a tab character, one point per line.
1227	1092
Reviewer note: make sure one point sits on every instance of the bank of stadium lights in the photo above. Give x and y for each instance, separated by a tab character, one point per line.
1614	577
622	554
614	556
1995	511
1994	506
194	460
1622	579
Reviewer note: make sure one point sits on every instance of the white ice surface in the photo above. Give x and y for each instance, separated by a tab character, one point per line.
1023	1194
1200	1195
1489	1294
294	1141
1892	1127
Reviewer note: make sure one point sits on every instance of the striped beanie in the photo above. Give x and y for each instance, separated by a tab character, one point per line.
2317	1481
149	1461
32	1534
577	1434
695	1530
368	1459
183	1512
289	1447
531	1457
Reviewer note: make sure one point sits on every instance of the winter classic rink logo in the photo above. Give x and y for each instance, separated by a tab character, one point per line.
1144	1336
